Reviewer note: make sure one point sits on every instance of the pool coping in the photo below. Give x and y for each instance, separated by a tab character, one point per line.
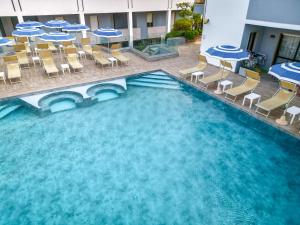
181	79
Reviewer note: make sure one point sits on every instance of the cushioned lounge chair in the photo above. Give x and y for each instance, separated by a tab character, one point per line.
48	63
220	75
23	59
13	73
74	63
100	59
200	67
247	86
283	96
121	58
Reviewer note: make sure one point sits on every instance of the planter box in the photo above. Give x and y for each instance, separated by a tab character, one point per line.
175	41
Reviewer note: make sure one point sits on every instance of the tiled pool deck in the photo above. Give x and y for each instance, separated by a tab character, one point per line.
35	80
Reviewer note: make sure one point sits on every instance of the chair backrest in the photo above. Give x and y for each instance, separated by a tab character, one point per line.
96	48
202	59
226	65
45	53
67	43
85	41
42	46
70	50
22	39
115	46
288	86
19	47
252	74
10	59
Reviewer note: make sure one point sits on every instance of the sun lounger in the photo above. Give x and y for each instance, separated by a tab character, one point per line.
100	59
283	96
200	67
220	75
121	58
23	59
73	62
19	47
248	85
51	47
13	73
88	49
10	59
50	67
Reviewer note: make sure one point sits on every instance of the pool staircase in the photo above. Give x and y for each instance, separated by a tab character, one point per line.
156	80
6	109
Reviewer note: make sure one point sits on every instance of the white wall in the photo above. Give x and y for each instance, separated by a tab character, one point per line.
149	5
105	6
6	8
226	24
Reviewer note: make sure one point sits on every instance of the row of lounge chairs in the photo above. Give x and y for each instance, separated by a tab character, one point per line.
282	97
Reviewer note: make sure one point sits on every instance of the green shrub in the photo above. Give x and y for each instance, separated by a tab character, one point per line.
191	34
183	24
174	33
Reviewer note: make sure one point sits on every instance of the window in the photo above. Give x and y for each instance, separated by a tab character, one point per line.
150	19
251	41
288	48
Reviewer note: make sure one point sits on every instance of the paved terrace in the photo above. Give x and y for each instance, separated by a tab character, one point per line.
35	79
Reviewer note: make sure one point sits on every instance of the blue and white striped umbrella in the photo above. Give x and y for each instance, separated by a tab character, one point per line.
227	52
28	32
29	24
5	41
57	37
75	28
56	24
107	33
286	71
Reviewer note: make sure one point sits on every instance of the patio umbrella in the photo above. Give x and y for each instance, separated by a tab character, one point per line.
107	33
57	37
286	71
75	28
227	53
56	24
28	32
29	24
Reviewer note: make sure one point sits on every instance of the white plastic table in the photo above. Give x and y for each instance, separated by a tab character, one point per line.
81	54
35	59
293	111
196	75
225	83
113	61
65	67
251	97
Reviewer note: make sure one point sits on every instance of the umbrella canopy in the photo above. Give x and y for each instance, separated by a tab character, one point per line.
5	41
29	24
28	32
107	33
75	27
56	24
286	71
227	52
57	37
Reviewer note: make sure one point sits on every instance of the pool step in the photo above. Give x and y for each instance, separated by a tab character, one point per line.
157	81
156	85
7	109
162	77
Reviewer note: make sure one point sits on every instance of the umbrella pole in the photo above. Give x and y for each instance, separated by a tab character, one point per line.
219	91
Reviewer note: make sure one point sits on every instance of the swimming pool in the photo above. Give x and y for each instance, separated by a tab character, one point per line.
150	156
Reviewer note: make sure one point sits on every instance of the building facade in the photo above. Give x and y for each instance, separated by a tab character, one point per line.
138	19
269	28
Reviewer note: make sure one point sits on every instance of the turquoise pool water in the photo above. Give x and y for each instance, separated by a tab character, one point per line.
151	156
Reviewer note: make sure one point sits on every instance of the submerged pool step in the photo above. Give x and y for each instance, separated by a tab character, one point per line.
157	81
162	77
7	109
156	85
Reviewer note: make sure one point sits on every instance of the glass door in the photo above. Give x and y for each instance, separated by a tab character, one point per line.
289	49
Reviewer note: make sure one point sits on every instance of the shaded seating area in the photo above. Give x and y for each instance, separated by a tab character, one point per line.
223	73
